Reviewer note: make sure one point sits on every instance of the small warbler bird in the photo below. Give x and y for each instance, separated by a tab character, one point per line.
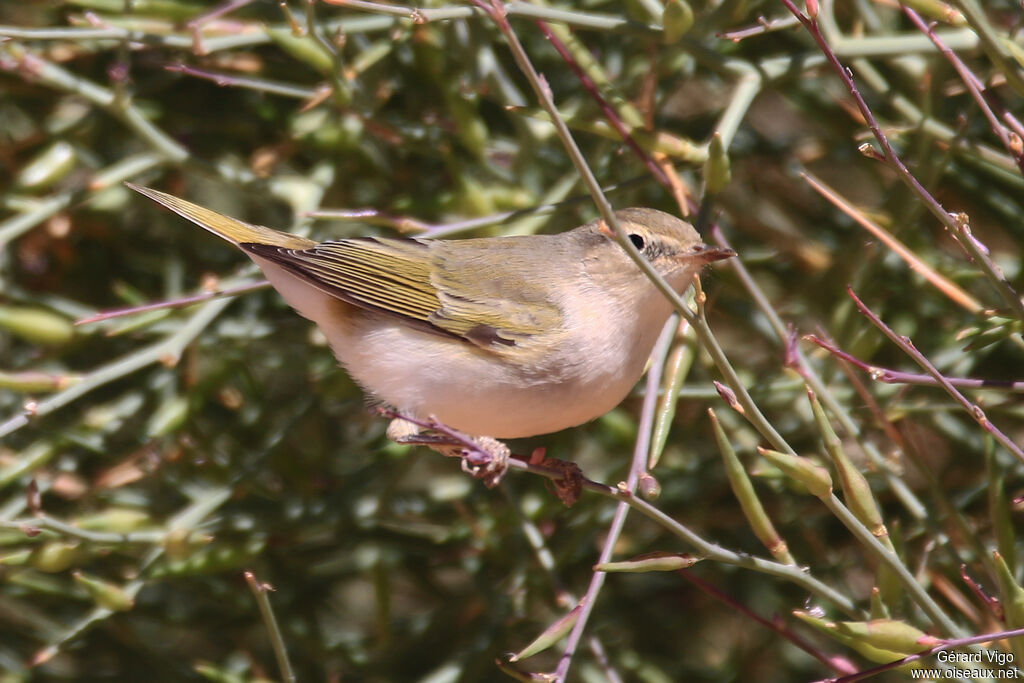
500	336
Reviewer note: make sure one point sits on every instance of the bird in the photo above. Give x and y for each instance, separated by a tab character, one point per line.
503	337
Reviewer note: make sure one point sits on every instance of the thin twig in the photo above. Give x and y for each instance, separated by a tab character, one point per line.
583	20
641	448
180	302
940	282
908	348
260	590
72	531
974	86
896	377
231	80
763	26
840	665
609	113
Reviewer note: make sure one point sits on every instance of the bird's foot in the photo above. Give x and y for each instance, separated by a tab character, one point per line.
488	462
482	457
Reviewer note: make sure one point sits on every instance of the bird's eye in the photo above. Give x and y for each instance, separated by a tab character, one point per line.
638	241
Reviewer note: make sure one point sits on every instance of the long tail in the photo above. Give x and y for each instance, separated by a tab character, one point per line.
225	227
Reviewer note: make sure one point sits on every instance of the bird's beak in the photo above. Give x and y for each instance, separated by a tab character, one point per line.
708	254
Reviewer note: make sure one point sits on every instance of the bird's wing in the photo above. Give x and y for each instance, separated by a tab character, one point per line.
492	290
423	283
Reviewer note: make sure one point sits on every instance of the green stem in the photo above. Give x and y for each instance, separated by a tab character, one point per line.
891	560
167	349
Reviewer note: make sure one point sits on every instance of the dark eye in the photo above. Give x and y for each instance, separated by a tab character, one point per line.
638	241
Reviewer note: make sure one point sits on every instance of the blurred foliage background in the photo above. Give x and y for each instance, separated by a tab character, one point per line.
147	461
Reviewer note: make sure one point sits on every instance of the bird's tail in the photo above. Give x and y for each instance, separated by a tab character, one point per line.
225	227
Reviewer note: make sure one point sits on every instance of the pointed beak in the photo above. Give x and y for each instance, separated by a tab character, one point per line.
708	254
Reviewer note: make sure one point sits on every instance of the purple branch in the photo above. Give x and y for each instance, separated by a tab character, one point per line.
973	84
896	377
840	664
196	24
173	303
641	451
606	109
763	26
908	348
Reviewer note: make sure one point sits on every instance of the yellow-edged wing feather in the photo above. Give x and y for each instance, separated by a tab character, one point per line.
448	287
386	275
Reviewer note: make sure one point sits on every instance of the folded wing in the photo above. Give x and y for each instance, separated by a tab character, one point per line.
467	291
